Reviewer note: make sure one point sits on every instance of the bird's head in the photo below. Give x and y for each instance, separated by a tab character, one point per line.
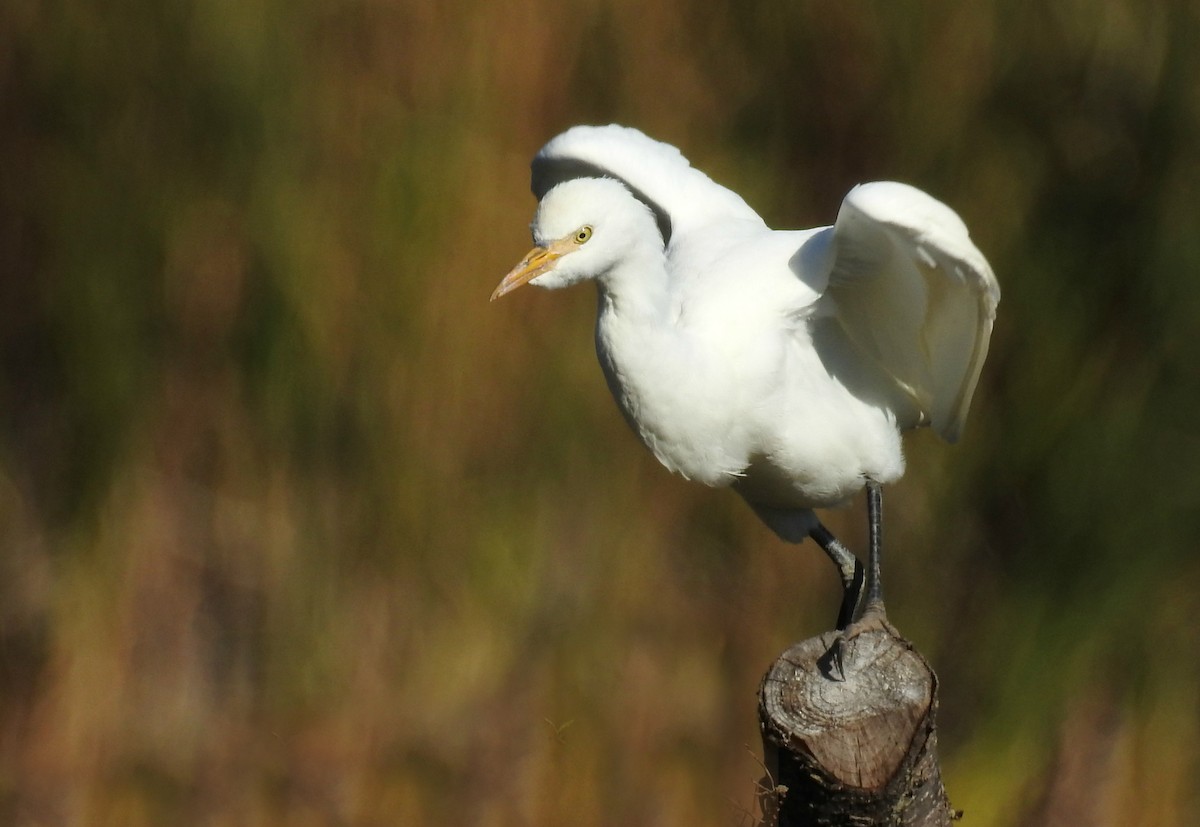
583	227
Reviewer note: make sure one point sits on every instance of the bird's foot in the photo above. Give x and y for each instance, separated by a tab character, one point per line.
872	618
832	663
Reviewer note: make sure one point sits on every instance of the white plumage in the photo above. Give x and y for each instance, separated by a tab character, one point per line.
781	363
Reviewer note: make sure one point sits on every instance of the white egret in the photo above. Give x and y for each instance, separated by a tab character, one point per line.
782	364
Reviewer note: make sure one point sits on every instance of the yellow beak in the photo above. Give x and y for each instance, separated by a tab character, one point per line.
539	260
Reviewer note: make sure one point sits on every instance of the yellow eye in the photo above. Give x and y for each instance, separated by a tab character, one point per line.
583	233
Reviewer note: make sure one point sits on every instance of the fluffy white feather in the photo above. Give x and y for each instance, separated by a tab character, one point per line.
781	363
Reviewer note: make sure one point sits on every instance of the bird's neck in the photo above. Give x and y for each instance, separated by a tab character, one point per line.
637	288
637	340
649	360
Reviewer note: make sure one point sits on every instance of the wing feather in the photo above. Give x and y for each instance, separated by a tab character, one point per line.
681	196
909	287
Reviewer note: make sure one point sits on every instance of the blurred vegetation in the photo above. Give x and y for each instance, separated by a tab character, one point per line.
297	529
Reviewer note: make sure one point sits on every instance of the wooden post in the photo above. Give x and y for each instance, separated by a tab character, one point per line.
858	751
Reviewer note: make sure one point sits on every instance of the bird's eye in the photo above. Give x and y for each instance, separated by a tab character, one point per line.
583	234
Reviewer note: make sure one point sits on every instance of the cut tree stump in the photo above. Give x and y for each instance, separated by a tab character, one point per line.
858	751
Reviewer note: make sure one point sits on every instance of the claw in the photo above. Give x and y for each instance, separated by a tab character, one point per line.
833	661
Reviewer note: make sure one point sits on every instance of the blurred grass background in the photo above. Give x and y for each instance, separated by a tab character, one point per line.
297	529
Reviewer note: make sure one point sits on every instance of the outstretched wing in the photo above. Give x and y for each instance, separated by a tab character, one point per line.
909	288
681	196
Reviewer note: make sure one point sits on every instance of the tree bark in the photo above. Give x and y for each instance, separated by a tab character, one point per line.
861	750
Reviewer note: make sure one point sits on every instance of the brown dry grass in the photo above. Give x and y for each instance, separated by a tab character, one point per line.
297	529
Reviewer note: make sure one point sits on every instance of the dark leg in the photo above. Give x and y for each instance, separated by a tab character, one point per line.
850	569
852	577
874	600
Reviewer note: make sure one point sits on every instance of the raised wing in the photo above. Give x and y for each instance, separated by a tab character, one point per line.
910	289
681	196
